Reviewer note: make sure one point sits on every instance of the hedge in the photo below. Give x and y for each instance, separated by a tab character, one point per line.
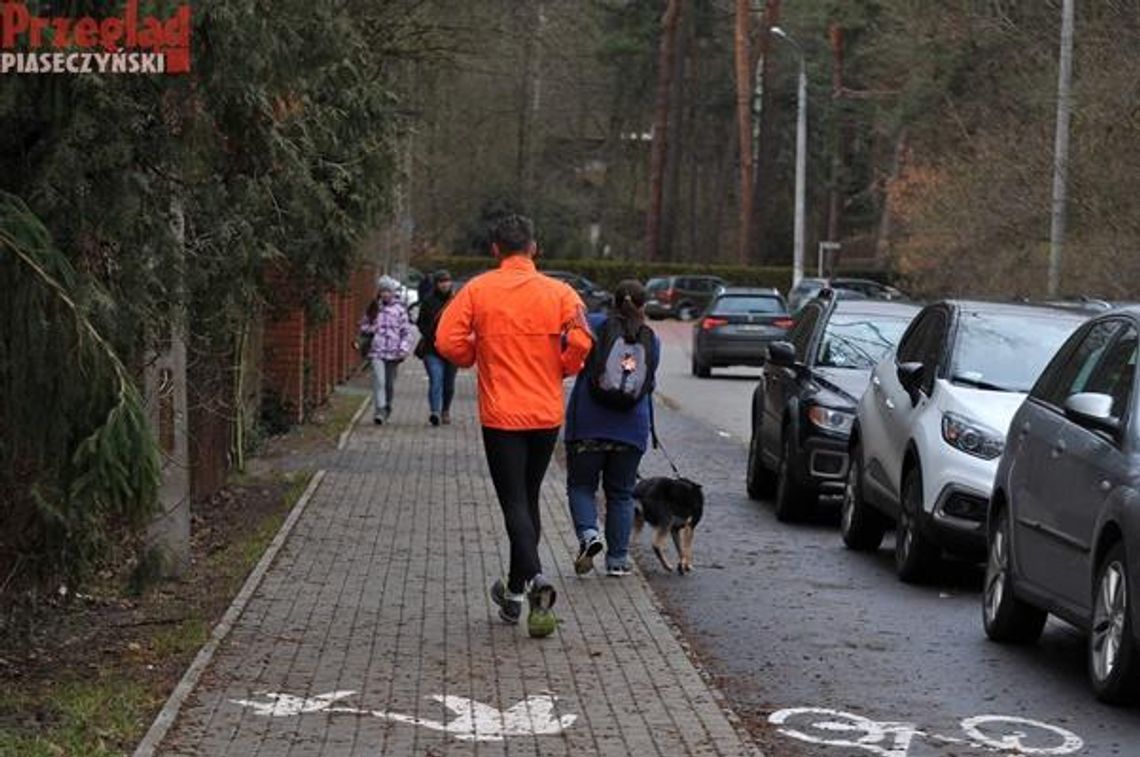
609	272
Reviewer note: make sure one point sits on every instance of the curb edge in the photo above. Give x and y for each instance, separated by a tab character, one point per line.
169	712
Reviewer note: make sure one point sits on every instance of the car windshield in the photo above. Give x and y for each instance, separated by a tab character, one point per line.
738	304
1007	351
656	285
858	341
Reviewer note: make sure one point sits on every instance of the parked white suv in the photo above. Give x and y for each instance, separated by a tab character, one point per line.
931	427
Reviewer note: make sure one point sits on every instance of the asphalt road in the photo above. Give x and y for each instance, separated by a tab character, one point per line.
784	617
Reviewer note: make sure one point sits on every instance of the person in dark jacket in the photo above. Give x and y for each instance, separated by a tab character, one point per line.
607	444
441	373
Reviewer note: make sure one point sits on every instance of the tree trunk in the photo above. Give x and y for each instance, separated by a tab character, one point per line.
532	18
883	238
835	32
168	536
743	54
660	145
763	171
678	98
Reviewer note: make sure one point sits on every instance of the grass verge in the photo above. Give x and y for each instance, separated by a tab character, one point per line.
102	665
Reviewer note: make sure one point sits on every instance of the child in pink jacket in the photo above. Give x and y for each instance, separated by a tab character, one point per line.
387	322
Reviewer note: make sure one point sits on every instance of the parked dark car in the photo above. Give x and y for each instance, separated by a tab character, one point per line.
737	327
1063	524
804	406
683	297
844	288
595	297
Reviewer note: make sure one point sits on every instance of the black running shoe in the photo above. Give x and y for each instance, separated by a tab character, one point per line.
510	607
433	419
541	621
589	549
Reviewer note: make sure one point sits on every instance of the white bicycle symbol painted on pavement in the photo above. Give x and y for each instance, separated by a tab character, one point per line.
992	733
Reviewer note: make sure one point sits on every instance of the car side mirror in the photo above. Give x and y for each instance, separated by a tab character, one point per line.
911	376
1092	411
782	354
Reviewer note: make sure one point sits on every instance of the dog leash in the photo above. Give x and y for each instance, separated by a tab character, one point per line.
657	442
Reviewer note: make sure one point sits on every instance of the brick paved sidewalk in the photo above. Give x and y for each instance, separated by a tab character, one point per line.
379	600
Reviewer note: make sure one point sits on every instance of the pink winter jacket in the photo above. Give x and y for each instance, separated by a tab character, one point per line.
392	333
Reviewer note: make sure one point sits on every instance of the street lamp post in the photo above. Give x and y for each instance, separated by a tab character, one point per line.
801	160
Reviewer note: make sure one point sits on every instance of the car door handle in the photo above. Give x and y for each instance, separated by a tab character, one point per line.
1106	486
1058	449
1024	431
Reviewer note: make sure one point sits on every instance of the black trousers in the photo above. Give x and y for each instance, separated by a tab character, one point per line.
518	462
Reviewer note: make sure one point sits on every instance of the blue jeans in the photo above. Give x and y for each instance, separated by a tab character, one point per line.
618	473
441	383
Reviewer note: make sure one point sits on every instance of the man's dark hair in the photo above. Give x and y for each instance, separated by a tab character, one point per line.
513	233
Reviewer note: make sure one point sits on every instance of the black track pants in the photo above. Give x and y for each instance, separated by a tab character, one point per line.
518	462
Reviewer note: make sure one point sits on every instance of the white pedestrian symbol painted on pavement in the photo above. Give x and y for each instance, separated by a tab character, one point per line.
473	721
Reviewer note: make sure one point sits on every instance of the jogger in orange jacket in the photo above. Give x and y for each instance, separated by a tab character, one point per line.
524	333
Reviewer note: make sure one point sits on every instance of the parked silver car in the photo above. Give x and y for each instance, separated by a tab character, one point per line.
1063	525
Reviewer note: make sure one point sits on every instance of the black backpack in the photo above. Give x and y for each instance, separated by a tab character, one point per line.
618	372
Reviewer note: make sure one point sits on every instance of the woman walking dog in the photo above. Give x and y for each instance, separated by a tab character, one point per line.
608	423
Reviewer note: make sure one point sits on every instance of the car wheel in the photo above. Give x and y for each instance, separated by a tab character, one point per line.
915	555
1113	664
700	368
759	480
791	497
686	312
861	527
1005	617
414	312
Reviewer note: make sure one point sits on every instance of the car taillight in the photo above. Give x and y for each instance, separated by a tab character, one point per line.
712	323
783	323
665	295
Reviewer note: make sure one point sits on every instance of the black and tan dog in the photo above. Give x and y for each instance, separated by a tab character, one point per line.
671	506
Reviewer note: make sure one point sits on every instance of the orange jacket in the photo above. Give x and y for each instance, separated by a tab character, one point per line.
524	332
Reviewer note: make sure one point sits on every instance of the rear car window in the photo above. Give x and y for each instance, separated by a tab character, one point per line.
740	304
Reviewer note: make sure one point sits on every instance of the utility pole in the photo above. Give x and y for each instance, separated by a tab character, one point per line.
1061	148
801	159
801	175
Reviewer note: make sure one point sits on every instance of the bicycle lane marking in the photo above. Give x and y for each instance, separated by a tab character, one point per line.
894	739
